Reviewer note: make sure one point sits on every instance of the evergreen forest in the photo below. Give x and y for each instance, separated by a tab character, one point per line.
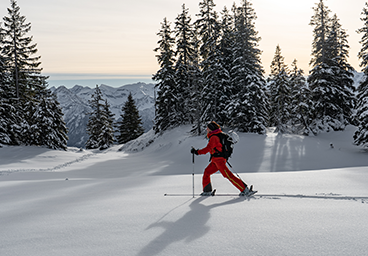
210	69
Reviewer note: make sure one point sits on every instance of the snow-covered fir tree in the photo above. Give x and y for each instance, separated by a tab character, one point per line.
13	33
185	60
196	90
225	47
361	135
106	137
25	87
9	120
95	121
279	94
206	25
130	127
208	28
248	107
7	111
19	53
29	125
48	126
45	126
343	71
301	104
58	133
4	76
330	78
166	101
320	78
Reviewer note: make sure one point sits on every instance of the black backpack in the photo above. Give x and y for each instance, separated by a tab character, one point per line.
227	145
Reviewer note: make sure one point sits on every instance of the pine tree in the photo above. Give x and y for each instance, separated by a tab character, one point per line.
4	136
130	126
48	127
248	107
18	51
185	64
195	106
225	63
208	29
8	117
361	135
4	75
344	72
106	137
26	88
320	79
95	124
206	26
58	137
166	102
100	123
330	78
301	104
9	120
29	128
280	93
214	52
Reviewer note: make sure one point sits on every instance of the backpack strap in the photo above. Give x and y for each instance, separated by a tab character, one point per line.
218	153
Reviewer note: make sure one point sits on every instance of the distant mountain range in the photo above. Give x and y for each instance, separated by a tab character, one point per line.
74	103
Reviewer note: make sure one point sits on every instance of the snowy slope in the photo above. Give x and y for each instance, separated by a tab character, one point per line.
312	200
74	103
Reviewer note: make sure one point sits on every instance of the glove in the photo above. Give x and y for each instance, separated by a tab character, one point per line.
194	151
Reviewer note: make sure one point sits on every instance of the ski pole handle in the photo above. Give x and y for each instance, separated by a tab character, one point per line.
193	172
192	156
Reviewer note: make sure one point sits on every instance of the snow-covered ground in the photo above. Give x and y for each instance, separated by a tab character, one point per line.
312	199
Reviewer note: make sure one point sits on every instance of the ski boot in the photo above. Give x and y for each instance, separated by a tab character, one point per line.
247	191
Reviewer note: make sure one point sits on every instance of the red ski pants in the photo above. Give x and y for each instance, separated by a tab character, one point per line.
219	164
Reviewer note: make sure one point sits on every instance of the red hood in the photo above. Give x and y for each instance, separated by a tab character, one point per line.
214	132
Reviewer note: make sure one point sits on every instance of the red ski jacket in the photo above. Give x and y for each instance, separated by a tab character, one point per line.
213	143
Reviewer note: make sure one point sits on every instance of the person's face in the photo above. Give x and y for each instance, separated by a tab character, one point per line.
208	129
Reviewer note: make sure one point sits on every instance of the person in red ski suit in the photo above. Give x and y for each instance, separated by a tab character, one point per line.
217	163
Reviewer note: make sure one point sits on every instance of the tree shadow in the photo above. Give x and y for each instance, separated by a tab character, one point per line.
188	228
287	153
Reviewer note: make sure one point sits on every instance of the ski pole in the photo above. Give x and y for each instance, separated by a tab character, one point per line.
193	173
234	171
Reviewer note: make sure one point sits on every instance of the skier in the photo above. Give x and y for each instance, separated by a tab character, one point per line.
218	163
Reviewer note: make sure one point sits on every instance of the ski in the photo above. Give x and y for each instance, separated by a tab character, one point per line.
218	194
250	193
213	193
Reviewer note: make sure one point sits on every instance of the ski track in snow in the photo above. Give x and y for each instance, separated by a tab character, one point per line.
331	196
58	167
322	196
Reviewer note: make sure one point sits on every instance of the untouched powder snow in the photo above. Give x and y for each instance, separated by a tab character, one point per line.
312	199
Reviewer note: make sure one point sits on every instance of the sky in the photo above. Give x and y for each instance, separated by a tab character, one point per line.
89	42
